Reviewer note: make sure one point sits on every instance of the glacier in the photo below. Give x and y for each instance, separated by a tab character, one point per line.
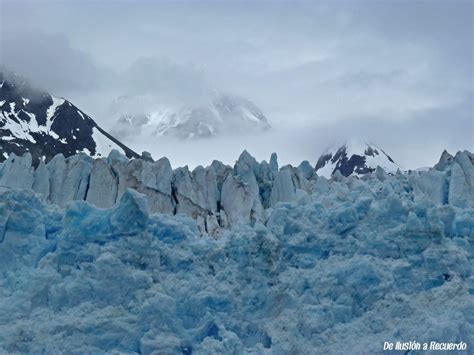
218	196
130	256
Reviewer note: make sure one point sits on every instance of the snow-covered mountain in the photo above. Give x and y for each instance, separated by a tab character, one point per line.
354	158
34	121
224	113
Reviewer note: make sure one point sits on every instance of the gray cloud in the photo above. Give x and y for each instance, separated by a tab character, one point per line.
396	72
164	78
50	61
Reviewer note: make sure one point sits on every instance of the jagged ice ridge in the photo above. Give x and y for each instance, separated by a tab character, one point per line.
218	195
303	265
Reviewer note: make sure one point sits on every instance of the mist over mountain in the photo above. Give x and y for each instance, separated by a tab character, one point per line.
319	71
224	114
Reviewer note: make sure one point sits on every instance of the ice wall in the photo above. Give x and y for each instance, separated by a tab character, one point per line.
340	270
219	195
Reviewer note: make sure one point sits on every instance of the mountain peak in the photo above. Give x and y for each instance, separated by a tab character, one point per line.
354	157
31	120
223	113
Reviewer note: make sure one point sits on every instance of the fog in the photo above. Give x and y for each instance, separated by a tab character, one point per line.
397	73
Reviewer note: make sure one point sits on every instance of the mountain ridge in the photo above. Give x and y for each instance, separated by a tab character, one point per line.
223	113
32	120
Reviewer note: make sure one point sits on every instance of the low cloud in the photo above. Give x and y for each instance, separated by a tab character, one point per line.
397	73
50	61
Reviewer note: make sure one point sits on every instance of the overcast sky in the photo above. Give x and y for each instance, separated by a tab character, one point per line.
398	73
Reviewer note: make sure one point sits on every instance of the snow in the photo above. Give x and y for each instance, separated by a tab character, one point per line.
2	103
22	129
327	169
357	147
32	123
18	127
351	265
163	119
223	114
51	111
249	115
381	160
103	144
80	114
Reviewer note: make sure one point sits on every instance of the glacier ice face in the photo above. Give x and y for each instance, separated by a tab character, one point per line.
196	192
283	188
237	200
41	180
68	178
228	196
432	186
353	263
461	191
150	178
18	172
103	183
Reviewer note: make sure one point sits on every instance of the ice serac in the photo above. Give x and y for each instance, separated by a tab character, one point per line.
445	161
76	182
461	184
237	200
57	174
240	196
186	196
274	163
306	169
131	213
69	178
22	234
150	178
103	185
283	188
222	171
206	187
431	185
41	180
18	172
219	196
197	194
